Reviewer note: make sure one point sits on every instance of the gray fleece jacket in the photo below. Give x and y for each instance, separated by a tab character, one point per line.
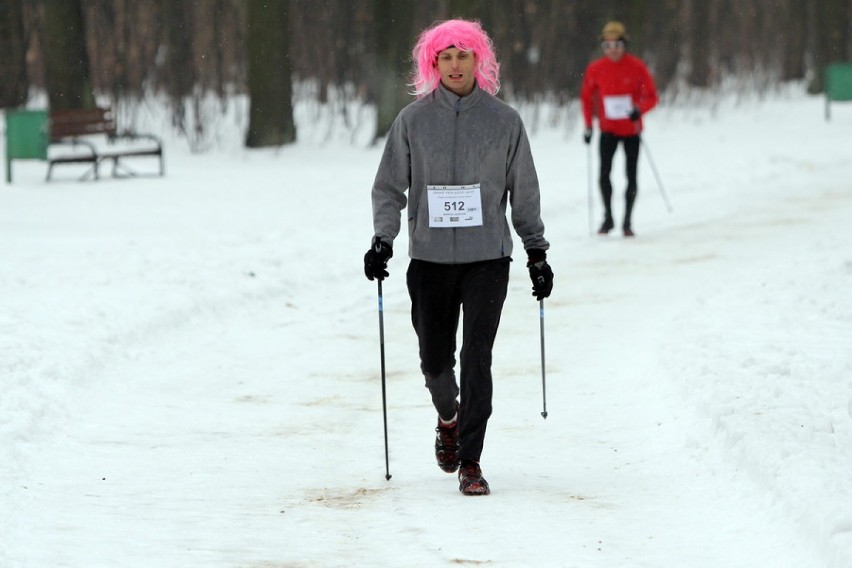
443	139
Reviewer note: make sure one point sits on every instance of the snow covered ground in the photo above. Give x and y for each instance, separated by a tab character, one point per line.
189	366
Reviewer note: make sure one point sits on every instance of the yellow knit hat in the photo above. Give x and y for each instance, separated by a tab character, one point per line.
614	30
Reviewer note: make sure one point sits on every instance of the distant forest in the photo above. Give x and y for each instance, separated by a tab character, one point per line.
81	50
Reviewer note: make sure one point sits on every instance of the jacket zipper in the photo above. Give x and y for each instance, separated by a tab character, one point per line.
455	157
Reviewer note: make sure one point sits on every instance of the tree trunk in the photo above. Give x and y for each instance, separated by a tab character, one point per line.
13	72
269	75
178	75
394	38
664	43
826	38
849	30
699	47
67	77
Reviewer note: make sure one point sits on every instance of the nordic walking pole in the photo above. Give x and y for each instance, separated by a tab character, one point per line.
656	173
384	391
589	168
543	389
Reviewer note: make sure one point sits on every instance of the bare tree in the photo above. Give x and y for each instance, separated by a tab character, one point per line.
360	49
67	76
177	74
793	21
393	37
269	75
664	43
848	30
699	44
828	37
13	72
124	38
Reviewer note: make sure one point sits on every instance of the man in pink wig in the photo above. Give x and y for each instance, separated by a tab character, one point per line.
462	156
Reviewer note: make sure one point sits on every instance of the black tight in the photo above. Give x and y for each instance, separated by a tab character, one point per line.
608	146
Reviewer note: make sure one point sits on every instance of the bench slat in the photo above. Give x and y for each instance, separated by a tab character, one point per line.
81	122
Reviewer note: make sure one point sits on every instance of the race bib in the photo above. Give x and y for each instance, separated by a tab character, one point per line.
453	206
617	106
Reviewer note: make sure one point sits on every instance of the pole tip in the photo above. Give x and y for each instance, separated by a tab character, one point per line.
388	476
544	415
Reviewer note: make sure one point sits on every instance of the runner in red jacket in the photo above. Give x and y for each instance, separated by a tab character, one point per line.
618	89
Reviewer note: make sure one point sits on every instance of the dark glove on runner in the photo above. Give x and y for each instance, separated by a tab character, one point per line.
587	135
376	260
634	114
540	273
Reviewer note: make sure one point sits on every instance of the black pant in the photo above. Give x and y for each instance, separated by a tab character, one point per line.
608	146
438	293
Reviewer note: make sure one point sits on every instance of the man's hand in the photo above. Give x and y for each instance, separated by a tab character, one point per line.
540	273
376	260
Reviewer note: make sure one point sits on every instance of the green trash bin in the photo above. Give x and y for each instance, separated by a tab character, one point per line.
26	137
838	84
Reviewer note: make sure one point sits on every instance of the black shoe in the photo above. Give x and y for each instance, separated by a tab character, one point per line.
606	226
447	445
471	481
628	232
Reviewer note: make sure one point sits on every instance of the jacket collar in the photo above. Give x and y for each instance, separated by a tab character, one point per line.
451	100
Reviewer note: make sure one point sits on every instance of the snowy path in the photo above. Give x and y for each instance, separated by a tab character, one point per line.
203	449
195	385
207	445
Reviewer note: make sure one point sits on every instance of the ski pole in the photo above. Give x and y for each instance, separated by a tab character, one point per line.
384	391
543	389
656	173
591	198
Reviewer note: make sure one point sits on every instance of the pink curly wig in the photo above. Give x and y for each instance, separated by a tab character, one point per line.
464	35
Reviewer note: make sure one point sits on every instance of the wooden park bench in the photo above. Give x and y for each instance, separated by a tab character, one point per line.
72	141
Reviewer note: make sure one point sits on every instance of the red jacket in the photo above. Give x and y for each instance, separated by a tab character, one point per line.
611	88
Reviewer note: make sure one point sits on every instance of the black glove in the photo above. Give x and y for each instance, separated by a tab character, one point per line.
587	135
634	114
540	273
376	260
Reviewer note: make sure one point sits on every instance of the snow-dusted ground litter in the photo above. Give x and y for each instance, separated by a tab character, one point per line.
189	366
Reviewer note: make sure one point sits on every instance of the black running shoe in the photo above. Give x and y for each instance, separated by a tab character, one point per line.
471	481
607	226
447	445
